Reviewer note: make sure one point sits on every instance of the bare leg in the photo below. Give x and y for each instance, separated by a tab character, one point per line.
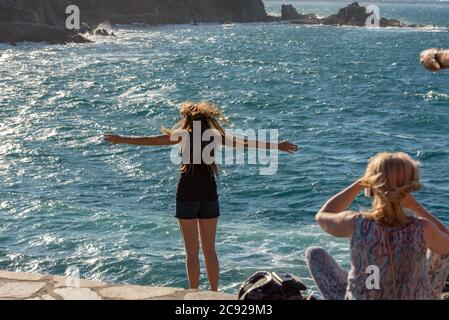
189	230
208	230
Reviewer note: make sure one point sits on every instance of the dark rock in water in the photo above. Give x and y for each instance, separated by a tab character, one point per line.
86	28
391	23
289	13
12	32
271	18
104	29
78	38
52	12
356	15
103	32
352	15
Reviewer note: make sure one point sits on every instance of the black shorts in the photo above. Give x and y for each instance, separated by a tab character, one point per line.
197	209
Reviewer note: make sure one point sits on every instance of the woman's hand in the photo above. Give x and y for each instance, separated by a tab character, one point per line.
288	147
427	59
113	138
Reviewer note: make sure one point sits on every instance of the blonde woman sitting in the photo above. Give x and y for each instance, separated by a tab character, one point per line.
398	250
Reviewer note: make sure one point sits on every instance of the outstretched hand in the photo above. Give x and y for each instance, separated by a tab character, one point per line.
112	138
288	147
427	59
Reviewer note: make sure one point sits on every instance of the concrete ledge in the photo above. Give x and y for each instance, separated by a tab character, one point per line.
28	286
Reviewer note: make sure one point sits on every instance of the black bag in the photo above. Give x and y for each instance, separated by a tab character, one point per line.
264	285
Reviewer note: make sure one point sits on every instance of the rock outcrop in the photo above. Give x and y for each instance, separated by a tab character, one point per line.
40	16
351	15
13	32
52	12
103	32
289	13
44	20
356	15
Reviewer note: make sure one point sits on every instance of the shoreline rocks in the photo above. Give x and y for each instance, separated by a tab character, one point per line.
44	20
289	13
103	29
351	15
13	32
356	15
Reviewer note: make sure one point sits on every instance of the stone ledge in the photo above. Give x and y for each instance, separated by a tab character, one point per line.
29	286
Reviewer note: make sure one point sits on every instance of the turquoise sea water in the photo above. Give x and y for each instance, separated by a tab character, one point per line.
67	198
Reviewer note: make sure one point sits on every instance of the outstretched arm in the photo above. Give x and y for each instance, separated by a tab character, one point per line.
245	143
162	140
334	217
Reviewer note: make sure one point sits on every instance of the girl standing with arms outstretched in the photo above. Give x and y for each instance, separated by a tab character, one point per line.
197	207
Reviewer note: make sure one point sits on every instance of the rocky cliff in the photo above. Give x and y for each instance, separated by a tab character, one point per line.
44	20
33	16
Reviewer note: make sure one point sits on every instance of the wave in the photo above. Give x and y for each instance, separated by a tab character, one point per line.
427	28
6	56
5	46
432	95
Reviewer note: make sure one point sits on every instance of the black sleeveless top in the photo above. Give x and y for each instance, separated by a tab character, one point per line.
198	182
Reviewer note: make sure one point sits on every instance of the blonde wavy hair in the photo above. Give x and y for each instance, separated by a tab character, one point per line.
210	116
391	177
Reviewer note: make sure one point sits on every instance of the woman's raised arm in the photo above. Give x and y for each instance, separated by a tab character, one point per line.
334	217
161	140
